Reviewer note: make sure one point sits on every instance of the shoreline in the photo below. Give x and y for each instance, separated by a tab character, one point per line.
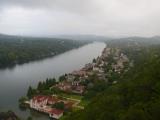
73	74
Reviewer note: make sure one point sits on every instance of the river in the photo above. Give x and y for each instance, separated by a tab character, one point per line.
15	81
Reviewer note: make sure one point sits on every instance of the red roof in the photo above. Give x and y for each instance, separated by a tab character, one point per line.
69	105
56	111
52	99
41	98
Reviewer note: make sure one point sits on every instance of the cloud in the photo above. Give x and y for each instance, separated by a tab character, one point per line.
66	5
101	17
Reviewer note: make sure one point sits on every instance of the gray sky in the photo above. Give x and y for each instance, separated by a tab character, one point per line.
100	17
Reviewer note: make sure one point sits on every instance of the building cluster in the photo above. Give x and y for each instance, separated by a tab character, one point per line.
72	81
111	58
120	60
71	87
44	104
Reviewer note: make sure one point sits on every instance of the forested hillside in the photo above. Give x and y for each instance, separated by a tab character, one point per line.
17	50
136	95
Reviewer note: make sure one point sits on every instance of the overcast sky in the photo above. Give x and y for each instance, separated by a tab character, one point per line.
99	17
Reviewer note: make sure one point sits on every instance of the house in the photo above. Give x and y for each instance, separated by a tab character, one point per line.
78	89
40	102
75	83
90	73
83	78
101	70
88	66
70	77
102	64
79	73
74	87
95	69
64	86
55	113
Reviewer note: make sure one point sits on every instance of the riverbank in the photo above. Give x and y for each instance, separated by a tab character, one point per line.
19	50
76	82
15	81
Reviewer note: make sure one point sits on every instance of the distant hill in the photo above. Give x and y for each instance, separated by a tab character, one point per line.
84	37
18	37
65	37
18	49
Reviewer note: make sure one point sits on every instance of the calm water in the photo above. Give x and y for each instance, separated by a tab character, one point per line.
15	81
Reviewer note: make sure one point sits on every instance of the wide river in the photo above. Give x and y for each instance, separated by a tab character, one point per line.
15	81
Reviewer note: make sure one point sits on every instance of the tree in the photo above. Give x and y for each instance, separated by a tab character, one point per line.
62	78
31	92
59	105
94	60
40	86
29	118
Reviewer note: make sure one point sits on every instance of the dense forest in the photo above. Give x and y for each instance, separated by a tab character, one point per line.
136	96
17	50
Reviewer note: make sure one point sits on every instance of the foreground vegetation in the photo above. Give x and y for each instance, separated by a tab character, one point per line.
136	96
18	50
8	116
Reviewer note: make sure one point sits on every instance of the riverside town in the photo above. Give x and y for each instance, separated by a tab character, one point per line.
57	98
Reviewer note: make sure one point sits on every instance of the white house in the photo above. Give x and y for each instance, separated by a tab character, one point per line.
40	103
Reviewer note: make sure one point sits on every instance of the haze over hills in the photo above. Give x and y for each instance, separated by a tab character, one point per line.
82	37
64	37
85	37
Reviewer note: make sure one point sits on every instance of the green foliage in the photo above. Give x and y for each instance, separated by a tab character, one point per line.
135	97
43	88
94	60
8	116
62	78
22	99
18	50
29	118
31	92
22	104
113	76
59	105
46	85
98	87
